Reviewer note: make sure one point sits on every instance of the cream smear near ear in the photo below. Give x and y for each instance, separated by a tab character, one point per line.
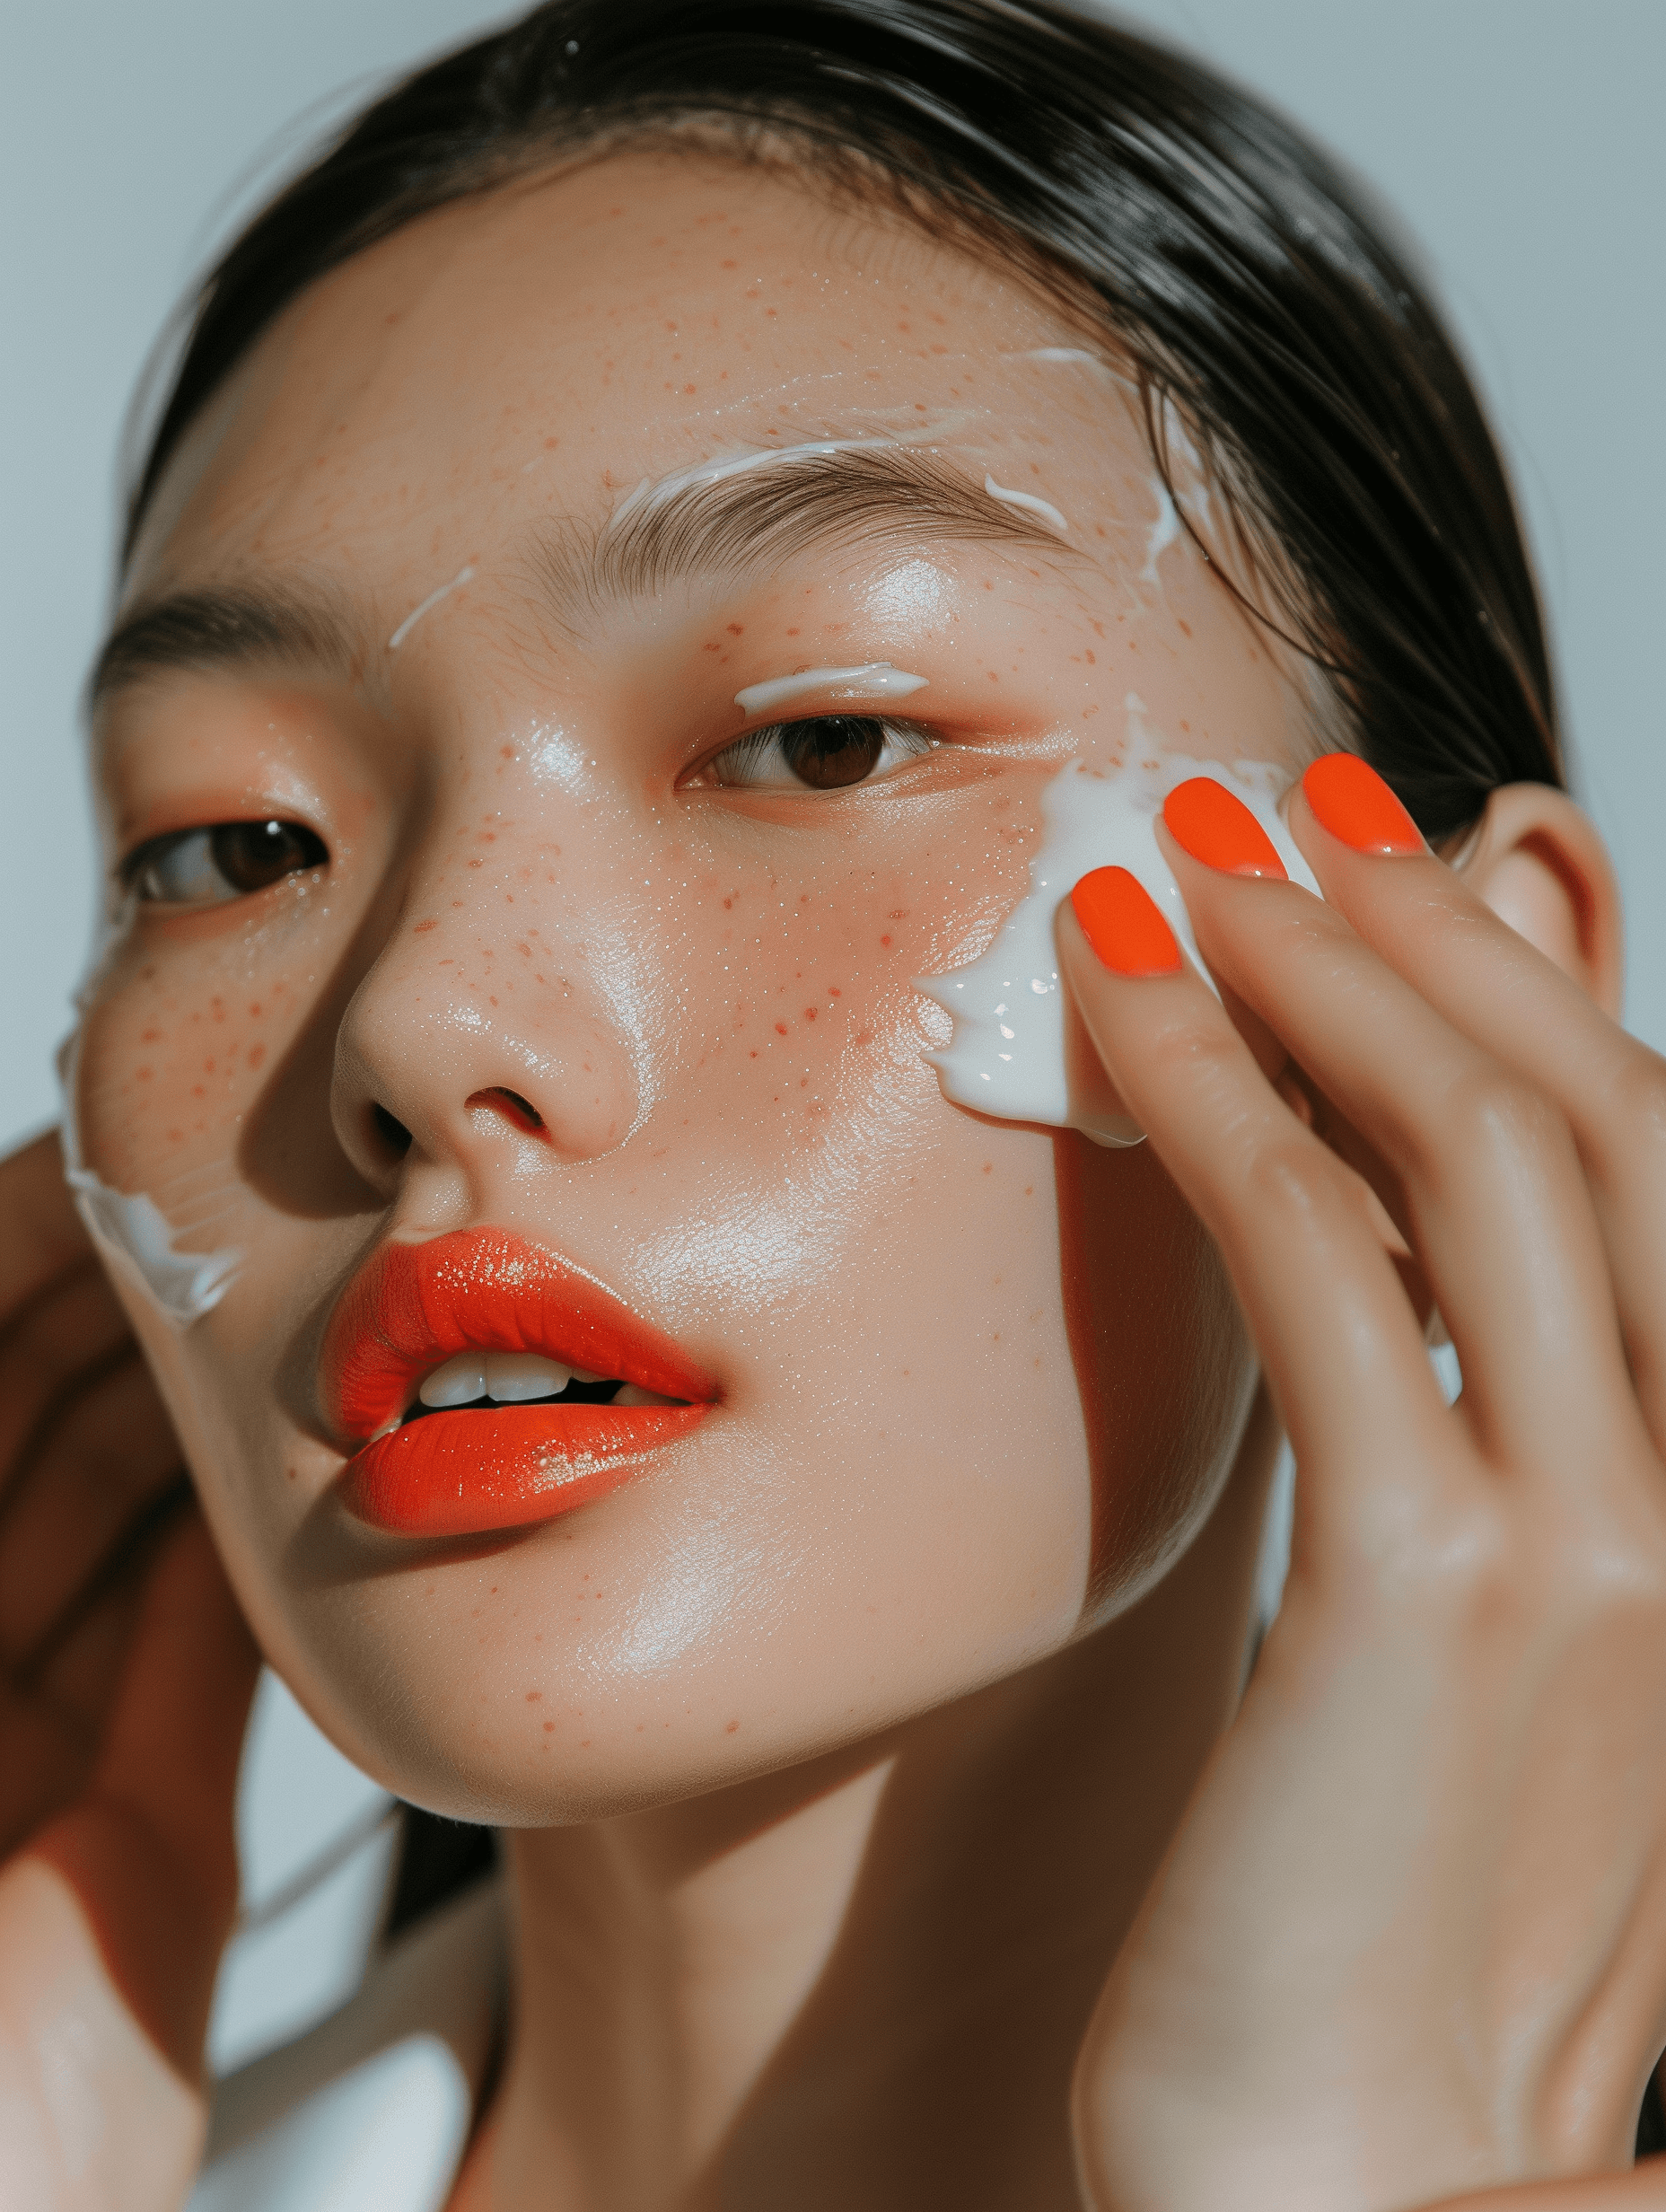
133	1234
1009	1056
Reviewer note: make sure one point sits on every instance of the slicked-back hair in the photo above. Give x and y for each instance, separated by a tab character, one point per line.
1254	294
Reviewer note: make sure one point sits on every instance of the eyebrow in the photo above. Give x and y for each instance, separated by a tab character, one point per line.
737	524
222	628
752	521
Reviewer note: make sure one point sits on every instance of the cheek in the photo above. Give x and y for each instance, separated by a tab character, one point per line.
173	1054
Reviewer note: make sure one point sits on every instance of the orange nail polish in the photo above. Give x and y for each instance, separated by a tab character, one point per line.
1219	830
1351	800
1121	921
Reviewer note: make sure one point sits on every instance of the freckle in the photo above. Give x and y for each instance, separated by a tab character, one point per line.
549	1726
143	1074
885	941
257	1054
292	1472
583	1743
732	1728
780	1029
534	1696
736	630
989	1167
810	1013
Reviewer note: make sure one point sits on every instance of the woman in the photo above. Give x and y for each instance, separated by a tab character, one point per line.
635	533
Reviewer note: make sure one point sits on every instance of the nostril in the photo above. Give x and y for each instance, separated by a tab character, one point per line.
393	1133
514	1108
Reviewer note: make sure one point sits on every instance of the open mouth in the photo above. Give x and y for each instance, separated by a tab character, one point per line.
477	1381
482	1381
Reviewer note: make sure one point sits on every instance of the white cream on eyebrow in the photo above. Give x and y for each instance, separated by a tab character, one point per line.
134	1235
423	607
876	679
1009	1056
648	493
1043	507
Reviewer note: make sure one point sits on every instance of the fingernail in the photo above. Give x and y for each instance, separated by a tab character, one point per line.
1219	830
1351	801
1121	921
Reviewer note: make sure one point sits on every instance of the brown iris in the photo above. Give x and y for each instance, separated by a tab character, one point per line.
834	749
251	854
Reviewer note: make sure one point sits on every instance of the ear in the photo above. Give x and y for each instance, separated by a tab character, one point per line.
1538	861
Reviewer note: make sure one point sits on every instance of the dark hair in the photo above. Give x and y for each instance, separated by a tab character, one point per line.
1241	273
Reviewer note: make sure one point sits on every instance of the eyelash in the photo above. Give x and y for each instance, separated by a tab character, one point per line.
868	745
228	860
178	869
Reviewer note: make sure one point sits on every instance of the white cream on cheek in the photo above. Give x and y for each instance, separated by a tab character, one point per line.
135	1236
1008	1054
875	679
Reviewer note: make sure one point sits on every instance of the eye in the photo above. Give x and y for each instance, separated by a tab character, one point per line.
829	752
205	867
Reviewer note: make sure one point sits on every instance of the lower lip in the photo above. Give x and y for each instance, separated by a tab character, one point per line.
460	1474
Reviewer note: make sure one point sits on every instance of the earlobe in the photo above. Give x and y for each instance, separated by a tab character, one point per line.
1539	862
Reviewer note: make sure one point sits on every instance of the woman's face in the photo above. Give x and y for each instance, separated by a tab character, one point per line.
464	611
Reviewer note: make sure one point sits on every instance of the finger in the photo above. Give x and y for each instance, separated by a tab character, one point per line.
60	1662
1341	1348
150	1850
45	1758
1489	982
1500	1215
43	1231
107	1453
60	1343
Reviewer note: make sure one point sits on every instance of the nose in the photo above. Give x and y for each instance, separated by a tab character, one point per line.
451	1048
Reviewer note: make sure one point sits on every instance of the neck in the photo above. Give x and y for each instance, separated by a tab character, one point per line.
863	1982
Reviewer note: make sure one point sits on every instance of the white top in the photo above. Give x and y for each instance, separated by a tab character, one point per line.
373	2105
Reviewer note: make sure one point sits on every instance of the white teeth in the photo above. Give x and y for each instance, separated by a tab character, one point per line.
510	1377
458	1383
513	1377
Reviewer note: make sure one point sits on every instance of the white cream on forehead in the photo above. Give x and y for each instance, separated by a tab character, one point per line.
874	680
133	1234
1027	500
1008	1057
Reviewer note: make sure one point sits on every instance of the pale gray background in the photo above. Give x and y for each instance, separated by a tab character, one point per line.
1519	139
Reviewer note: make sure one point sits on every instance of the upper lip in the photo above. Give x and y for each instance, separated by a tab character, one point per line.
411	1307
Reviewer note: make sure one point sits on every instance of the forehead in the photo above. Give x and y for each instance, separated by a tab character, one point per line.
548	348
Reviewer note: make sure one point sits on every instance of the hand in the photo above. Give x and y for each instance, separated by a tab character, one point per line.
1410	1940
128	1673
